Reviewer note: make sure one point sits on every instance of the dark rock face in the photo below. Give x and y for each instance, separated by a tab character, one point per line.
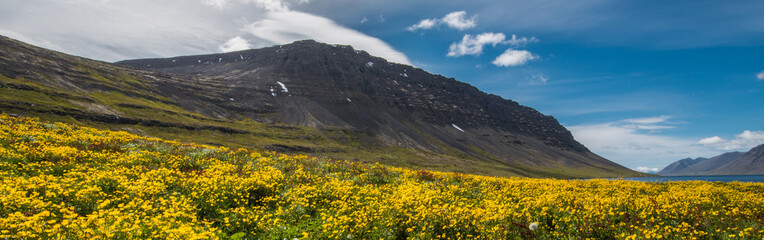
331	88
357	90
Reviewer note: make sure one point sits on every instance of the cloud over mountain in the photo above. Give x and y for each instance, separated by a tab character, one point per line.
118	30
280	27
235	44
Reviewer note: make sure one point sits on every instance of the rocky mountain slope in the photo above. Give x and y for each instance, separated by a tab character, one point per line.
752	162
326	100
731	163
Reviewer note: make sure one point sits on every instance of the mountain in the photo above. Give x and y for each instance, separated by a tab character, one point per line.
679	165
326	100
750	163
731	163
704	166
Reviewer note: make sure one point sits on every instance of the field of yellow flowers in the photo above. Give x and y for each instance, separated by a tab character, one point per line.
68	182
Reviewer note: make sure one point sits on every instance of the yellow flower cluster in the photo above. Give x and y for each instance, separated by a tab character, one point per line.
61	181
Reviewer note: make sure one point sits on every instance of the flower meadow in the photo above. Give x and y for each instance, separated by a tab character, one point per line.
63	181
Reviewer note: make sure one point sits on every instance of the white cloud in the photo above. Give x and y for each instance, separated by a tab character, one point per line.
760	75
473	45
742	142
280	27
424	24
631	142
364	20
235	44
513	58
456	20
647	170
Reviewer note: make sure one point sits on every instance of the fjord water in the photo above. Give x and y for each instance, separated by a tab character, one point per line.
715	178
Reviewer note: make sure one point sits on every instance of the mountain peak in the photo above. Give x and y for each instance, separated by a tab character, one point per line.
334	73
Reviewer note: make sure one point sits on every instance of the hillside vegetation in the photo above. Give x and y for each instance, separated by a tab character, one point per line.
62	181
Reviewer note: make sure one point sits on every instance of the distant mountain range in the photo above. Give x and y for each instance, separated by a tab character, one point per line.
309	97
731	163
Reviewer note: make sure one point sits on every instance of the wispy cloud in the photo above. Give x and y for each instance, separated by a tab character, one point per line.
652	124
634	143
537	79
649	120
760	75
456	20
742	142
520	42
512	57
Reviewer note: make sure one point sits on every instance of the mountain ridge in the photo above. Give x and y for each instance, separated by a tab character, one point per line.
279	99
679	165
730	163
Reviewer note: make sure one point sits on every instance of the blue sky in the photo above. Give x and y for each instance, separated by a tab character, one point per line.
642	83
